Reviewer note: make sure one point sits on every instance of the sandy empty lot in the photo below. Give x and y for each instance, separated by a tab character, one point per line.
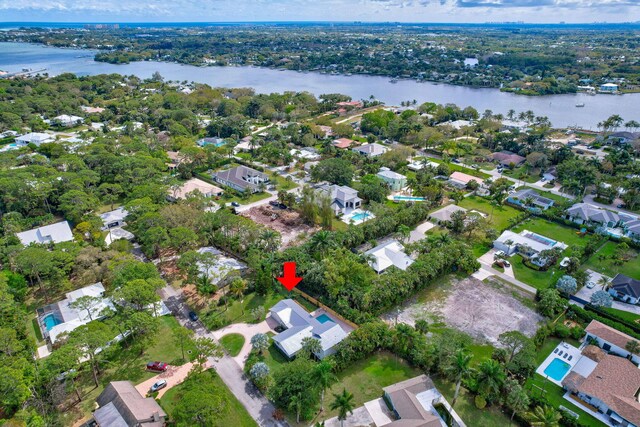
481	310
286	222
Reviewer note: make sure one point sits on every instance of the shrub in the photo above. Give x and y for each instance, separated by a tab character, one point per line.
577	332
561	331
480	402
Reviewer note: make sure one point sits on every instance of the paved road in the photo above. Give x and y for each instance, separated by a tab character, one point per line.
260	409
517	283
589	198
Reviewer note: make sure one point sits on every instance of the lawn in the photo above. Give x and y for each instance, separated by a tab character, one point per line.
236	414
455	167
282	183
366	378
553	231
547	194
232	343
554	394
499	216
240	311
521	175
537	279
624	315
245	200
34	330
606	266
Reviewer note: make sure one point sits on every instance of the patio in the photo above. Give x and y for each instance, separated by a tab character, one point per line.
564	352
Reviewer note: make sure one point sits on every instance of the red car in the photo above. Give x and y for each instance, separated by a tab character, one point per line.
157	366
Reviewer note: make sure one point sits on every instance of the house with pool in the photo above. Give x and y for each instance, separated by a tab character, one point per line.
599	377
299	324
527	244
63	316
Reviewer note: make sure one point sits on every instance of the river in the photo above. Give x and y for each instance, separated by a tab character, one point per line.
560	109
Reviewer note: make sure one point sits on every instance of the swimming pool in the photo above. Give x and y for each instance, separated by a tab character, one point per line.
323	318
541	239
557	369
50	321
361	216
408	199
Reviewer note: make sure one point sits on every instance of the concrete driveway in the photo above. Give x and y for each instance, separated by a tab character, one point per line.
585	293
247	330
420	232
174	375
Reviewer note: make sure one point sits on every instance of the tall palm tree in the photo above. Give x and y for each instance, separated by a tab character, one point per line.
343	402
404	232
324	377
604	282
490	377
295	404
322	241
237	289
459	369
544	416
633	347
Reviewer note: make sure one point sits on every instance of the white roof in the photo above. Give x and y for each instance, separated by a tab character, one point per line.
53	233
113	216
528	238
388	254
35	137
389	174
68	119
196	184
117	233
224	265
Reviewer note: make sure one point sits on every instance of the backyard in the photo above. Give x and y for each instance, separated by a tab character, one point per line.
604	262
235	414
499	216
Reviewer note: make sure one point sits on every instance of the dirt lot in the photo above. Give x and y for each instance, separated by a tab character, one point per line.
481	310
287	222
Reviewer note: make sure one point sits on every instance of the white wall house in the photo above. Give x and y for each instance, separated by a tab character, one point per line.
53	233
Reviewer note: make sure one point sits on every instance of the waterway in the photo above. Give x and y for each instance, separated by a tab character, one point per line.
560	109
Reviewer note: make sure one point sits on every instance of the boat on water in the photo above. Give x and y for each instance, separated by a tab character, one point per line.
580	104
393	81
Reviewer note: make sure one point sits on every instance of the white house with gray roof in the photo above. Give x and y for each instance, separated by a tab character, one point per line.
584	213
388	254
300	324
36	138
371	150
394	180
53	233
343	199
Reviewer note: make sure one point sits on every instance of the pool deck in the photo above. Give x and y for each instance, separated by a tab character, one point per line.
558	353
348	217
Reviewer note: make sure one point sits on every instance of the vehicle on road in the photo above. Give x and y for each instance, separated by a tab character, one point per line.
235	204
193	316
158	385
591	285
157	366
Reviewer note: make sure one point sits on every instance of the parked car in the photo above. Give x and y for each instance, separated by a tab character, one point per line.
622	206
157	366
274	203
456	161
158	385
235	204
590	285
193	316
502	263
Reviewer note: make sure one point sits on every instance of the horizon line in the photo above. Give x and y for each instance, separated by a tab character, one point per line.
325	22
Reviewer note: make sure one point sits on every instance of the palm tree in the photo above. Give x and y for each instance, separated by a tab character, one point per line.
322	241
604	282
295	404
633	347
543	416
324	377
343	402
490	377
237	289
459	369
271	240
404	232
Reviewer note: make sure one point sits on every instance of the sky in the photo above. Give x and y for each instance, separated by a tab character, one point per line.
533	11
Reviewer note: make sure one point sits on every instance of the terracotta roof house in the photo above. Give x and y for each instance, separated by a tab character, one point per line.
610	339
121	405
625	288
241	178
612	386
412	402
343	143
460	180
507	158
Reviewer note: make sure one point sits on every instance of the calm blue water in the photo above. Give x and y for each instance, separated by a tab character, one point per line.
50	321
360	216
560	109
323	318
409	198
557	369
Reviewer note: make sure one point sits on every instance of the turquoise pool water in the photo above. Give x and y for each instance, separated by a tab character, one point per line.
557	369
409	198
541	239
50	321
361	216
323	318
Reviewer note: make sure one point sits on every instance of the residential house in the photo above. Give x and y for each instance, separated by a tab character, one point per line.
625	288
122	405
610	340
114	218
457	124
246	144
343	143
300	324
327	130
530	199
194	185
92	110
36	138
217	142
306	153
414	401
508	159
551	174
394	180
388	254
371	150
416	165
67	120
60	317
609	88
526	243
630	226
53	233
343	199
622	137
352	104
175	159
241	178
222	268
444	215
460	179
584	213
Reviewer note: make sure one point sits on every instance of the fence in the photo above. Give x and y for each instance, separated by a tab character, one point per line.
317	303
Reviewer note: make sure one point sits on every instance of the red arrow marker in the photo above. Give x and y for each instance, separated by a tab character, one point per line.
289	281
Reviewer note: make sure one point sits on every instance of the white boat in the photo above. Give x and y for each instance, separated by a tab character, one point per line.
580	104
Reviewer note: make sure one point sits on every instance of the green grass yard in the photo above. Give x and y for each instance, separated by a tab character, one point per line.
235	415
606	266
232	343
553	231
499	216
624	315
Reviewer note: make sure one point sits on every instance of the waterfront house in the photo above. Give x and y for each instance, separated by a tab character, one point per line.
394	180
343	199
371	150
530	199
52	233
35	138
61	317
242	178
121	405
625	288
609	88
386	255
300	324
